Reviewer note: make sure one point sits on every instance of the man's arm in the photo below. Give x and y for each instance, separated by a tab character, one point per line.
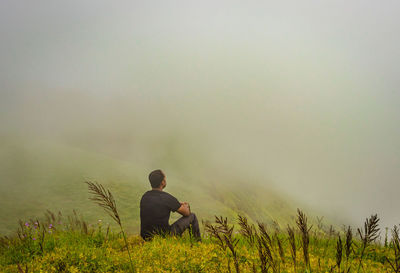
184	209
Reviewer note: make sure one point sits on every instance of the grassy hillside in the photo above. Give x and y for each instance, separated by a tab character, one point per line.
74	247
40	175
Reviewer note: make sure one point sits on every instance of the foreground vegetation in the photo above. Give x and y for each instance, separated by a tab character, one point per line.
59	244
69	244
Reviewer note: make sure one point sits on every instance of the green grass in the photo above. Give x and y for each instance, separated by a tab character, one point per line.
71	247
40	175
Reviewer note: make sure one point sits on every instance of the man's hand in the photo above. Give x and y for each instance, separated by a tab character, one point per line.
184	209
185	204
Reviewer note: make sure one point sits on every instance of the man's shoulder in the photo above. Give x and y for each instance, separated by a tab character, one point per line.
163	195
146	195
166	194
156	192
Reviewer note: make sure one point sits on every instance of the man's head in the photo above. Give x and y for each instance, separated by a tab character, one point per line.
157	179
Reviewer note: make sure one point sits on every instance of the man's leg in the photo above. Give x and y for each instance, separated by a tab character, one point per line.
180	225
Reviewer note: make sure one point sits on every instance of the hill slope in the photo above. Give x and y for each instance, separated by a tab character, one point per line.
41	175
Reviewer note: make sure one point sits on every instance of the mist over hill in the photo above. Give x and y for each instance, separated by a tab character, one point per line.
63	139
42	175
239	103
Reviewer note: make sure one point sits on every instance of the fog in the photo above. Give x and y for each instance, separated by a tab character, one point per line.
302	97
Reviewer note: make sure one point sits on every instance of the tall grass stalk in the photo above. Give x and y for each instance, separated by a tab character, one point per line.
224	233
368	235
348	246
292	242
247	230
339	252
280	248
250	233
395	245
305	236
266	249
105	199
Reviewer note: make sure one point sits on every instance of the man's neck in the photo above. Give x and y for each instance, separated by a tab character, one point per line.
157	189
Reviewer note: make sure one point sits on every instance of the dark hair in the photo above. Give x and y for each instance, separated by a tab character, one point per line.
155	178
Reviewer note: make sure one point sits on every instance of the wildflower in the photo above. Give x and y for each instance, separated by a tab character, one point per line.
50	226
34	238
27	224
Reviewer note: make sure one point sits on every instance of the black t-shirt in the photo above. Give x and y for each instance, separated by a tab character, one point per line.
155	209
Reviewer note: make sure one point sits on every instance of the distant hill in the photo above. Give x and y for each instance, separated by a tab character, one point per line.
40	175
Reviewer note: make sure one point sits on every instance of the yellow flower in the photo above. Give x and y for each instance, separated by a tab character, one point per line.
73	269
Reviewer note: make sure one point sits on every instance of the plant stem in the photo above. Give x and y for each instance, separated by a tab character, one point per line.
127	247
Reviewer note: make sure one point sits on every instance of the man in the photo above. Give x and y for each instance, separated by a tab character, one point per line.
156	206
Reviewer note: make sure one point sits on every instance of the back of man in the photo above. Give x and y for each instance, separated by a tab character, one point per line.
155	210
